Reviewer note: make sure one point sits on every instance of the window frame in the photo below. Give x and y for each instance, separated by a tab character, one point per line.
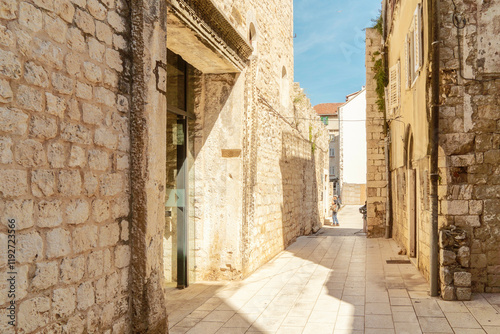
414	49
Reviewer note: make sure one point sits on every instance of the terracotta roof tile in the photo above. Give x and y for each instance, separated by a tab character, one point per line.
327	108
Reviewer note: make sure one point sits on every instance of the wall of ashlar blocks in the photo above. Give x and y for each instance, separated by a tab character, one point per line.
64	161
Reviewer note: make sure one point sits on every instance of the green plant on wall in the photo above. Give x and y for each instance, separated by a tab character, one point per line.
379	23
381	80
300	97
379	67
312	139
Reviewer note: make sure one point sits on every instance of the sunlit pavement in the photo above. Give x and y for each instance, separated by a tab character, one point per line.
336	281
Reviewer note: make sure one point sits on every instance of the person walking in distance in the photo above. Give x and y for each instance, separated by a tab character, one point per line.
335	208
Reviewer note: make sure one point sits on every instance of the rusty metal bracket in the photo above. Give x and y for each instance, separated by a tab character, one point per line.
156	71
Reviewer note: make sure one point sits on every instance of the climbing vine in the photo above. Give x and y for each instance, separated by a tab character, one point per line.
312	139
379	23
381	80
379	67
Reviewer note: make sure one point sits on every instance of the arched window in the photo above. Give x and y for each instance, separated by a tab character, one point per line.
252	35
285	94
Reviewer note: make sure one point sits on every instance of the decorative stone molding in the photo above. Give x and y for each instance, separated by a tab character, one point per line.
205	18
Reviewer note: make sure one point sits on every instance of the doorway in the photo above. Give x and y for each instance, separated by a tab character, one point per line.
412	194
413	212
179	162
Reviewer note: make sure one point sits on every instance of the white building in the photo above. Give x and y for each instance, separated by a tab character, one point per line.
352	120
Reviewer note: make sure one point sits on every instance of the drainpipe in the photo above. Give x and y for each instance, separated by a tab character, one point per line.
388	205
387	133
434	144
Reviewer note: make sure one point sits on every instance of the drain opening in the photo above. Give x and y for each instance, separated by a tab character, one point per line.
398	261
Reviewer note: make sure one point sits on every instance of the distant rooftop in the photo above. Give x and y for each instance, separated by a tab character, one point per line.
353	95
330	109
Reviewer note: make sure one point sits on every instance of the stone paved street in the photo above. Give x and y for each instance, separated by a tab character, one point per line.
336	281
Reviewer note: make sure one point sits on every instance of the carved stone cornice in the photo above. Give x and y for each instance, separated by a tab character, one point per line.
204	16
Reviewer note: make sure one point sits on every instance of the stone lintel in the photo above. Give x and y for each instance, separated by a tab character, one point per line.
205	38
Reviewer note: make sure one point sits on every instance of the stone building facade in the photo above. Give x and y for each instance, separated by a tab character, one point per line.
464	76
328	113
330	117
130	129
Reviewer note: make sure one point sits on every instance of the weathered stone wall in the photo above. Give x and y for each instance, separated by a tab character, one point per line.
353	194
290	157
470	142
256	182
64	134
217	244
376	177
290	160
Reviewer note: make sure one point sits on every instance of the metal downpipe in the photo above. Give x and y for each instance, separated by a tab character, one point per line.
434	143
388	206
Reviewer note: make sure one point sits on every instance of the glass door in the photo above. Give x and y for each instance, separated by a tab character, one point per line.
179	100
176	208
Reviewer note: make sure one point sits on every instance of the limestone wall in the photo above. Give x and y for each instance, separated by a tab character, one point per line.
376	176
257	162
353	194
290	160
77	148
64	160
470	142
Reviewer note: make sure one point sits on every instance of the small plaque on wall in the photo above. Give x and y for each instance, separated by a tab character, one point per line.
230	153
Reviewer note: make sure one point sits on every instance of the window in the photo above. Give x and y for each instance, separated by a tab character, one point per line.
252	36
332	170
324	119
252	33
332	152
332	138
413	48
394	88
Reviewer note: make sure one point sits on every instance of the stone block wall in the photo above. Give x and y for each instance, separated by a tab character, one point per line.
376	177
354	194
454	260
248	206
64	160
469	138
290	161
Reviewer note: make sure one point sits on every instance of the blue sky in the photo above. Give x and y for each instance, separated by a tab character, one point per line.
329	47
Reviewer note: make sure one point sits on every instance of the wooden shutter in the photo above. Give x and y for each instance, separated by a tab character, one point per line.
394	84
417	39
407	63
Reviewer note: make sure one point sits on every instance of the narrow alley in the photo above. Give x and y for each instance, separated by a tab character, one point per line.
171	166
335	281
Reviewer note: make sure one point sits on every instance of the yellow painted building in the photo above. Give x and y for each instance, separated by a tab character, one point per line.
408	63
436	191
